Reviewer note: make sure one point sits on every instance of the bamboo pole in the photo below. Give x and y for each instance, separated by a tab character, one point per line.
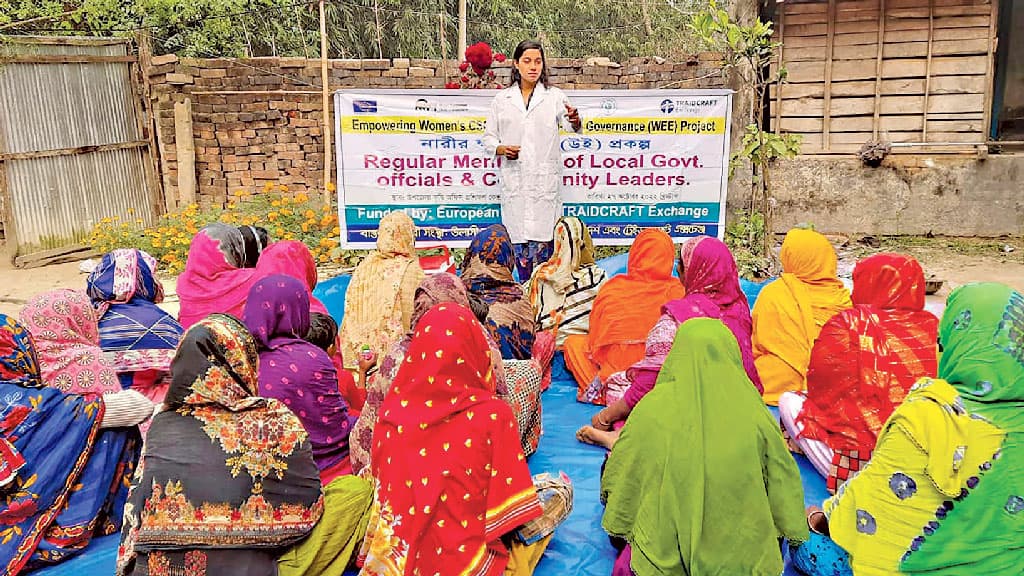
326	102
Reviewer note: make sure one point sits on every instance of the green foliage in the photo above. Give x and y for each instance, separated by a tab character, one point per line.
763	148
744	235
368	28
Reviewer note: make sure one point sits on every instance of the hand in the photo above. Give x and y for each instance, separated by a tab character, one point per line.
510	152
573	115
366	363
600	423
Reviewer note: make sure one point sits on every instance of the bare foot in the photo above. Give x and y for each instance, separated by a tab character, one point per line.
591	435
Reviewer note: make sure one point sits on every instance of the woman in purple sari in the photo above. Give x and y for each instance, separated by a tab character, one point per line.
709	276
298	373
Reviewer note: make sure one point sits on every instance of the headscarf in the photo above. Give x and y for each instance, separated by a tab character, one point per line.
435	289
373	301
214	279
562	289
133	329
451	478
487	273
982	338
712	287
791	311
866	358
294	371
254	240
46	439
224	469
628	305
736	466
64	326
294	259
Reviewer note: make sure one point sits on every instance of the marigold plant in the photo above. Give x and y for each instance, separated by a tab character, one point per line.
286	216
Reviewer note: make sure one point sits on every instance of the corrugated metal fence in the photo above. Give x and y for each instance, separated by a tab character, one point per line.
72	146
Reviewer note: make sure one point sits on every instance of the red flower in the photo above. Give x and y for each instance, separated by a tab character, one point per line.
463	66
464	78
500	57
452	85
480	57
17	512
498	86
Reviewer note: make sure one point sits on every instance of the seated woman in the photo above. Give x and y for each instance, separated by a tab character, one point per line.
298	373
228	480
712	285
862	366
125	292
378	303
944	490
451	480
217	274
625	310
562	290
434	290
721	505
60	472
790	312
487	272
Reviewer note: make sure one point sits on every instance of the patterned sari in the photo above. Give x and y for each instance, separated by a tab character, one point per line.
865	360
298	373
487	273
125	292
378	303
434	290
62	480
228	479
562	290
451	479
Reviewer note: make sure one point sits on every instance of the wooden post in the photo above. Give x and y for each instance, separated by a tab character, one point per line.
185	148
462	30
144	121
444	47
986	124
829	40
326	102
928	70
782	46
10	226
876	124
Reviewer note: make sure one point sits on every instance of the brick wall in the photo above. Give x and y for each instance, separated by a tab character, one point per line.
257	121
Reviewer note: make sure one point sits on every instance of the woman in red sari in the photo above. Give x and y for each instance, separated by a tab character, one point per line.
451	478
862	365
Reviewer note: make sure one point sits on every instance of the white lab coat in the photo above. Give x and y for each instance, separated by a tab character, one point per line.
530	199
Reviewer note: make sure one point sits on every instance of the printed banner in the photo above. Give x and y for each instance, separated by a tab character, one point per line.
644	158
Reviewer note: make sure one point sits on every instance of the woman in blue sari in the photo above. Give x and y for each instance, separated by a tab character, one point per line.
63	477
139	336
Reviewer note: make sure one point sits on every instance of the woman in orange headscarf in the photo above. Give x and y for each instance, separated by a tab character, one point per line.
790	312
862	366
626	308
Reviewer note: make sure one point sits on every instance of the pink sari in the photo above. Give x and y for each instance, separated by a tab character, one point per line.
712	291
65	329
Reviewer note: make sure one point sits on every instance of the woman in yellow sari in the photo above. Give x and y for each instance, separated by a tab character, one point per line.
943	493
790	312
379	301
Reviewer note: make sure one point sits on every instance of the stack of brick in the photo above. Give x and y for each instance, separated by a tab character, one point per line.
259	120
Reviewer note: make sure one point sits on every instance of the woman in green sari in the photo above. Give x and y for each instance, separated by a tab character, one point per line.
700	481
944	491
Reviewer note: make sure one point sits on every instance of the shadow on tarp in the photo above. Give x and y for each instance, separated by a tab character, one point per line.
579	547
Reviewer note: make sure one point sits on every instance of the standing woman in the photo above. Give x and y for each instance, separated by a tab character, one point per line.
523	127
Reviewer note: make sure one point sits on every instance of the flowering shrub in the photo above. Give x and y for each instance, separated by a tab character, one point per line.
285	216
476	68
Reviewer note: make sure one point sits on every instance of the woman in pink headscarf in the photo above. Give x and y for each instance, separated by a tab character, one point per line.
712	284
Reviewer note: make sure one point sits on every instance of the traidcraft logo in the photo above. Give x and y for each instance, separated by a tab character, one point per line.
667	106
364	106
689	106
424	105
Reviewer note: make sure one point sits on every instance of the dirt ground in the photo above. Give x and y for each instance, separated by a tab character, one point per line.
956	261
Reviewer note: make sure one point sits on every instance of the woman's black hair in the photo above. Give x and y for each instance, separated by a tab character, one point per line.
322	331
518	53
480	308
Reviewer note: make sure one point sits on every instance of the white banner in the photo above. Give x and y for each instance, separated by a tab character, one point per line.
644	158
